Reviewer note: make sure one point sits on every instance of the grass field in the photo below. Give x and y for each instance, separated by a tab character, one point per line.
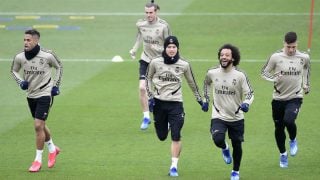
96	119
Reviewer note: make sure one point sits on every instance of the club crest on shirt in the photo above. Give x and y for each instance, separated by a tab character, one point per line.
176	69
41	61
301	61
234	82
157	31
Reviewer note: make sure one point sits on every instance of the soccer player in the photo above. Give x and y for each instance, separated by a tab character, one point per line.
36	65
289	70
164	86
232	95
151	32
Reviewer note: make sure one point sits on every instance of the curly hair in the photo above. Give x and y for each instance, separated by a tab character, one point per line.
235	53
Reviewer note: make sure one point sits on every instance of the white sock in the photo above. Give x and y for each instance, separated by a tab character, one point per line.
227	146
285	153
236	171
51	146
174	162
38	156
146	114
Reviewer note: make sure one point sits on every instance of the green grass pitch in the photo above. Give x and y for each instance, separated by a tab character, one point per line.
96	119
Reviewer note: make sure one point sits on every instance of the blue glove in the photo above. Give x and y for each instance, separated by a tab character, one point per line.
205	107
151	104
244	107
55	91
24	85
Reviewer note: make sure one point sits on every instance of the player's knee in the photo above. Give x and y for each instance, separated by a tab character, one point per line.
218	139
175	137
162	138
162	135
39	125
289	122
279	125
142	89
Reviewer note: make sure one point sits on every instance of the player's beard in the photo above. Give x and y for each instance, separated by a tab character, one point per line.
225	64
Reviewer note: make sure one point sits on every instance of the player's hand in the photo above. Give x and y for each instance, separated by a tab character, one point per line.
205	106
306	89
24	85
244	107
277	76
55	91
132	54
151	103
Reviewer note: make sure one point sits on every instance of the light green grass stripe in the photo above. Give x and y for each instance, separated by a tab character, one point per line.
163	13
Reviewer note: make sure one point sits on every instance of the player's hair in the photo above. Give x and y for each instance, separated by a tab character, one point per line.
152	4
33	32
290	37
235	53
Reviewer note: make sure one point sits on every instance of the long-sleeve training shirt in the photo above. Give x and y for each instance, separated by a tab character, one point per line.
164	81
288	73
229	90
37	71
152	35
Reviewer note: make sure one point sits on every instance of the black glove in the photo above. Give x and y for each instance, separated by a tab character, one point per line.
24	85
55	91
151	104
244	107
205	107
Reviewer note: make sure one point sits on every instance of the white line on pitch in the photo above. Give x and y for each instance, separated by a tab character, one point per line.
129	60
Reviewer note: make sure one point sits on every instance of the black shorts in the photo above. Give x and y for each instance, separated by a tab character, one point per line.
235	129
286	109
165	112
143	69
39	107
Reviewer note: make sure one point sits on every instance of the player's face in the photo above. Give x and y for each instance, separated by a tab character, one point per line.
171	50
30	42
225	58
290	49
151	13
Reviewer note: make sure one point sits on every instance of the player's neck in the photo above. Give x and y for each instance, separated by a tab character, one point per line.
228	68
154	21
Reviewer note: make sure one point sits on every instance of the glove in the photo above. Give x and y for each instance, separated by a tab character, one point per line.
244	107
306	89
24	85
200	102
132	54
55	91
151	104
205	107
